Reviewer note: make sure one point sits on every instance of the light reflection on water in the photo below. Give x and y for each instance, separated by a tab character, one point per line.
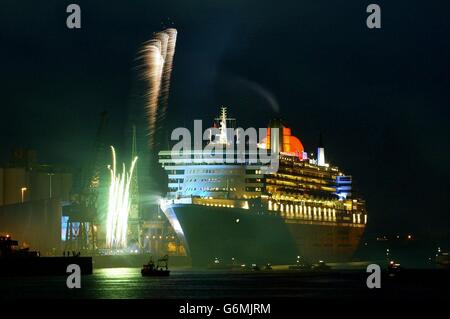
118	283
128	283
116	272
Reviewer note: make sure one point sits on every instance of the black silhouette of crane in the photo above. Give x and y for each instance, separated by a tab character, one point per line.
81	234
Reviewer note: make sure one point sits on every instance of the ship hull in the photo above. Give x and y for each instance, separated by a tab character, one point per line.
244	236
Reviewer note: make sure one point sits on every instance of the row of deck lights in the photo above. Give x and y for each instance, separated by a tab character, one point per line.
219	205
159	237
305	211
301	209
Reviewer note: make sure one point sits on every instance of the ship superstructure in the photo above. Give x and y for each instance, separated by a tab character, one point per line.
240	211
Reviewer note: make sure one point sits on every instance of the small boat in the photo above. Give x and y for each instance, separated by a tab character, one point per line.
218	264
301	264
321	266
394	268
158	270
268	266
255	267
442	260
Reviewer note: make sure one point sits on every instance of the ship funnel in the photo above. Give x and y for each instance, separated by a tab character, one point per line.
320	152
280	139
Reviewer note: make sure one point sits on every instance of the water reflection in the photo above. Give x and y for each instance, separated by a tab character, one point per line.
116	273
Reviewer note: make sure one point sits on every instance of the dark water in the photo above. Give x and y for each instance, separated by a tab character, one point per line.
128	283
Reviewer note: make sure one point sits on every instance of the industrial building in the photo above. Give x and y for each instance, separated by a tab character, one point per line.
40	209
31	199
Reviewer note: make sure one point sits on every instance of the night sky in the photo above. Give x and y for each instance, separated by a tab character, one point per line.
380	97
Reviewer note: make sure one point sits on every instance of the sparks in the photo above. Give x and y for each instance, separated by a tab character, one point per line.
168	54
158	56
154	62
119	204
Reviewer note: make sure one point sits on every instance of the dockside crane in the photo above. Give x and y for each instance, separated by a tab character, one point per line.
81	230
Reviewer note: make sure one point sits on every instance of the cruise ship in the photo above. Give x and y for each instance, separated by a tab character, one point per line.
240	211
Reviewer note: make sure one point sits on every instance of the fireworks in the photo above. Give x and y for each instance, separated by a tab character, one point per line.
157	55
167	70
158	58
119	203
154	63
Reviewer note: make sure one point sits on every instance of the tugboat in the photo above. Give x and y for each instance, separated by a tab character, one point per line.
158	270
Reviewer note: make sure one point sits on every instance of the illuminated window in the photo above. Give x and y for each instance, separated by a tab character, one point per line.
64	220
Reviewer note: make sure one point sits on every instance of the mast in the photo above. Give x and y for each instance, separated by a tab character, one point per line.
223	139
134	189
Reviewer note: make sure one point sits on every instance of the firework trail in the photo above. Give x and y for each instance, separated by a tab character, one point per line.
158	58
119	204
167	71
154	62
163	39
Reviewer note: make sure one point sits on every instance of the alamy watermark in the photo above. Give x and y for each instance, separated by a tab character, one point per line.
73	20
374	279
373	21
74	279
